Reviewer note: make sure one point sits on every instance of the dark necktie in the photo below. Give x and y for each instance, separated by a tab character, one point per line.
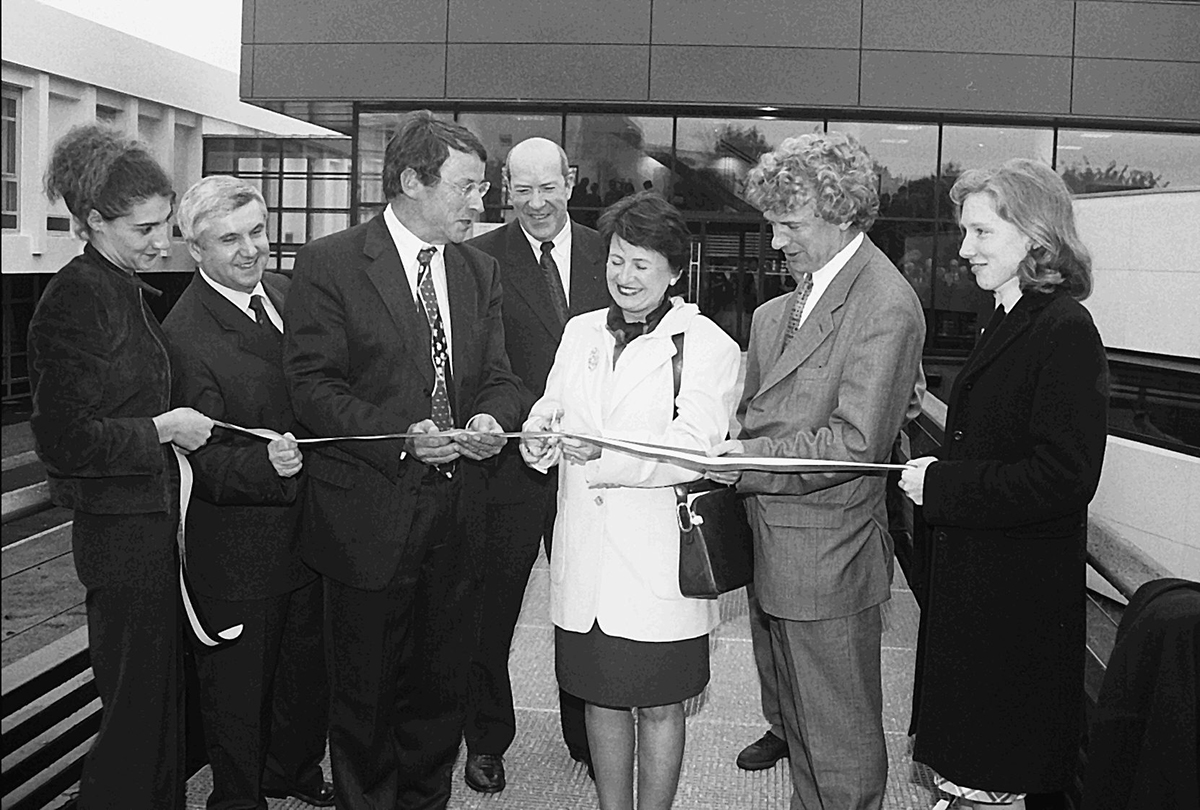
440	401
793	323
554	282
259	305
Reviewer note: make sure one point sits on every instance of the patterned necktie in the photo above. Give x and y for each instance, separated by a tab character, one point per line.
440	402
554	282
793	323
258	304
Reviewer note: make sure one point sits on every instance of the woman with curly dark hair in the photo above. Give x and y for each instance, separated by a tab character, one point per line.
103	427
997	701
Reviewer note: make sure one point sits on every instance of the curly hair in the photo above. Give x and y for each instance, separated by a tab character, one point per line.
831	170
422	144
94	168
646	220
214	196
1031	196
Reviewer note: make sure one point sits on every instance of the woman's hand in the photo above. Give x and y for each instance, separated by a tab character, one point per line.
186	428
285	455
541	451
912	479
729	447
578	451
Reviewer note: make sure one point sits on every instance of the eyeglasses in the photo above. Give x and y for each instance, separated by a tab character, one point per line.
470	187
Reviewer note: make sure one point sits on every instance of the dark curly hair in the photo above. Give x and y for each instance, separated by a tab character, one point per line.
831	170
95	168
646	220
422	144
1032	196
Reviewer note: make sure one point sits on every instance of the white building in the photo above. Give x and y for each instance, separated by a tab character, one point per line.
60	70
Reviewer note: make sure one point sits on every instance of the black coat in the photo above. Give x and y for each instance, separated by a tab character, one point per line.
99	370
242	525
358	363
531	330
999	681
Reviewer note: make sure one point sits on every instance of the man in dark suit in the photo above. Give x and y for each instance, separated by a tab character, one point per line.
264	699
395	327
831	373
552	269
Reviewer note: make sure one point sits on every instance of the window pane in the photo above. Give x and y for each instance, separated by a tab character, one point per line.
616	155
293	228
1095	161
905	157
329	192
714	155
295	192
325	224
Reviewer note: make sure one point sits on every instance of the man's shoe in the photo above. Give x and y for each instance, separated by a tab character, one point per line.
763	753
485	772
322	797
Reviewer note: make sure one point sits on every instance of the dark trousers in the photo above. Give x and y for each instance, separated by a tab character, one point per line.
508	547
135	640
265	698
397	660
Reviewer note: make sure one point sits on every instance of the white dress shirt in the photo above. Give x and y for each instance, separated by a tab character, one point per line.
241	300
824	277
408	246
561	253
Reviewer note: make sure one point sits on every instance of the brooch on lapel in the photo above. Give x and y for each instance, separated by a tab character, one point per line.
593	359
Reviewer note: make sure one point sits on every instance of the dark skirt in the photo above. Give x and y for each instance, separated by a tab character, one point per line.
620	673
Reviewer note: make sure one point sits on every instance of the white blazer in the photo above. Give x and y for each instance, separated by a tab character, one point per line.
616	540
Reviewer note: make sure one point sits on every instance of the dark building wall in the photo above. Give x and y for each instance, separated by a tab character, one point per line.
1085	59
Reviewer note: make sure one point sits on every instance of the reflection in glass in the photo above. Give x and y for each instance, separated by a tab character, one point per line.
323	224
987	147
905	157
616	155
500	132
375	129
714	154
1093	161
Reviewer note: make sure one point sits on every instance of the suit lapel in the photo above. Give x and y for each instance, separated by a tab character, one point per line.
523	277
386	272
819	324
251	337
586	286
464	314
1015	322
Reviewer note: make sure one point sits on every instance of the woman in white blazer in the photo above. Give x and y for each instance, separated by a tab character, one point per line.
625	638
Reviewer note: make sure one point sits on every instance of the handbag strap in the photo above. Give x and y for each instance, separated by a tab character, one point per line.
677	370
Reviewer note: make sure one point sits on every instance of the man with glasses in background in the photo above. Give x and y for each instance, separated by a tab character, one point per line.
395	327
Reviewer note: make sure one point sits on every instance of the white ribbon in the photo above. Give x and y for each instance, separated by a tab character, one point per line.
200	628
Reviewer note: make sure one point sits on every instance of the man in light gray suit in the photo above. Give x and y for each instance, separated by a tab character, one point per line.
831	371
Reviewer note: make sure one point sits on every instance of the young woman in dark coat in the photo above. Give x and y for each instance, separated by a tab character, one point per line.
997	700
102	425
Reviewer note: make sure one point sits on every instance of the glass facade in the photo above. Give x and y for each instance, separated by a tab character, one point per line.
700	164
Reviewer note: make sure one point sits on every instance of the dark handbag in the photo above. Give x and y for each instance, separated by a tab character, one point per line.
716	548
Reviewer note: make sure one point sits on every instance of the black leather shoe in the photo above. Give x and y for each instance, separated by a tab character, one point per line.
763	753
323	797
485	773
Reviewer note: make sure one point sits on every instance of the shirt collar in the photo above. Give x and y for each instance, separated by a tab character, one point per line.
238	298
561	240
408	245
831	267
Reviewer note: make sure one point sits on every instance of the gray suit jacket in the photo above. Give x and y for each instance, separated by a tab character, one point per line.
840	391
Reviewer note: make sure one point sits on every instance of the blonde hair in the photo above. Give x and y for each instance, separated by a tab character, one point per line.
1032	197
832	170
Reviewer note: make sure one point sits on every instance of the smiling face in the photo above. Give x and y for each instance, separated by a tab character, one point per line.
136	241
233	249
638	278
445	211
993	245
538	188
807	241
